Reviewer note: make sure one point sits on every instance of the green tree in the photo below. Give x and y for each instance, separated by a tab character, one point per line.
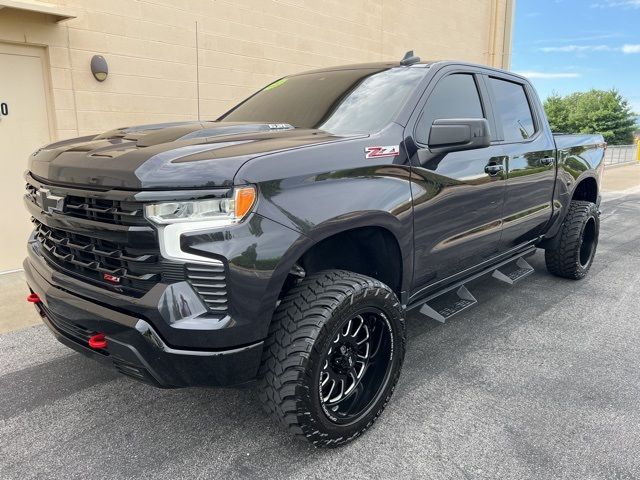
596	111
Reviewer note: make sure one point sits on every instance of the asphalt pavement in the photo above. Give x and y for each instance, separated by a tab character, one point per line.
540	380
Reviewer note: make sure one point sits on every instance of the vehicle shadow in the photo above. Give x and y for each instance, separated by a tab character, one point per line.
223	432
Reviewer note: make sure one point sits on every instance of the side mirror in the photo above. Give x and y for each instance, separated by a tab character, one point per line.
455	134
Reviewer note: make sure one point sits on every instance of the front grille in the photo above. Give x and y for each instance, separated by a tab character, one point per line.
209	282
117	212
110	244
92	258
110	211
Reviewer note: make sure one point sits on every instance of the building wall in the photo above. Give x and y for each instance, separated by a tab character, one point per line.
165	54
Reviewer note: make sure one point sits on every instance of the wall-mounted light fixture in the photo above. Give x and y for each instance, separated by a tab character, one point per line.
99	68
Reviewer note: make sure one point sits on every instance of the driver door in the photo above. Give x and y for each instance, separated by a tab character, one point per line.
458	196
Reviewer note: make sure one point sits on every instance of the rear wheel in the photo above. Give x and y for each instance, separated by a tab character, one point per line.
333	356
573	253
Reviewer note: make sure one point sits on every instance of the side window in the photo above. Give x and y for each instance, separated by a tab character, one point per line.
513	111
455	96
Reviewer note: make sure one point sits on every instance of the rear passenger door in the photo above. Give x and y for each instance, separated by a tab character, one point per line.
530	163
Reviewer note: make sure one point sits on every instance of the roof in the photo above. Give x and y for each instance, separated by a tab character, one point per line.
423	64
58	13
366	66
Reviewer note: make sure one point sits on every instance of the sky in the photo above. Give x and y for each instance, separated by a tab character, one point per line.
566	46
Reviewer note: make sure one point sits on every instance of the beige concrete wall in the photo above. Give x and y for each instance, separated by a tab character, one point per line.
150	46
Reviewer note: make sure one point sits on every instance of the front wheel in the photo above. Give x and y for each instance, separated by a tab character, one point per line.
573	252
333	356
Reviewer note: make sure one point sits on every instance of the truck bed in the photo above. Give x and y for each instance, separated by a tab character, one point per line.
567	141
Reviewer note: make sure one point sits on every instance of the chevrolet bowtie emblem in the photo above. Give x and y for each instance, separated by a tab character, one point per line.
49	203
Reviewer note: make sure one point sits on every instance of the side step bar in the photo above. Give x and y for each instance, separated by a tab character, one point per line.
464	301
456	298
523	270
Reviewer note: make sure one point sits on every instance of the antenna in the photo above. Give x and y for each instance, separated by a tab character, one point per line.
409	59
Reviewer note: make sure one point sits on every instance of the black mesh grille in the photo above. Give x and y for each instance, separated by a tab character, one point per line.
209	282
102	210
112	246
92	258
120	213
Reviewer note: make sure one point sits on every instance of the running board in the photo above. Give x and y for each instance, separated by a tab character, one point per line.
456	298
523	270
464	300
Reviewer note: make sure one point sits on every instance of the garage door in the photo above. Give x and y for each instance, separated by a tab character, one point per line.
24	126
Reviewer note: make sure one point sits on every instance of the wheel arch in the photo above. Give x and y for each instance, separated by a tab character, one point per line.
586	189
383	229
369	250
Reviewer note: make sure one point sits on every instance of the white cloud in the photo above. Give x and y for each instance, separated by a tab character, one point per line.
591	38
628	48
577	48
617	3
549	75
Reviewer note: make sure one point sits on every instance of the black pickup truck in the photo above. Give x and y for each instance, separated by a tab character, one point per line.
286	240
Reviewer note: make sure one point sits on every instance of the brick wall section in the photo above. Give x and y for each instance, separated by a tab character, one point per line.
150	46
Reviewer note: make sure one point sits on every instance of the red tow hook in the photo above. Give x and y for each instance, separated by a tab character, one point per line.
98	341
33	298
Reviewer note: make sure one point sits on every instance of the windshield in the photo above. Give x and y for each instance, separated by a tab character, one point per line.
339	101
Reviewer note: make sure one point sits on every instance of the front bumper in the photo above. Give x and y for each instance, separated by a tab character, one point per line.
134	347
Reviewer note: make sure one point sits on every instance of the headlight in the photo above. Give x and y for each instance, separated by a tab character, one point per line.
175	219
222	211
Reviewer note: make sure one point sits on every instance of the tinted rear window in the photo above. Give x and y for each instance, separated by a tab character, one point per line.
341	101
513	110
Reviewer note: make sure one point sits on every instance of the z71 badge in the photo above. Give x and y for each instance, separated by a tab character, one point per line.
378	152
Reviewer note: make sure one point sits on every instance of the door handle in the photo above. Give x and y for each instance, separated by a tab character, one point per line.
547	161
493	169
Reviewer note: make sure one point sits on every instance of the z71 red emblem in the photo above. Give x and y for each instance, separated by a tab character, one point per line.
378	152
110	278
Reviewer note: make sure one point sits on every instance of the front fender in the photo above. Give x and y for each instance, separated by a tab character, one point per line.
324	190
256	253
260	253
324	205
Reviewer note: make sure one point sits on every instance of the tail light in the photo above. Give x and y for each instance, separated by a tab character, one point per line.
601	167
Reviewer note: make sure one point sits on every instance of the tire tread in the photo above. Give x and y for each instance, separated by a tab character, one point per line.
562	260
292	336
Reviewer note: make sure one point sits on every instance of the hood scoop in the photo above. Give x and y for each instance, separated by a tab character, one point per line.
207	130
169	156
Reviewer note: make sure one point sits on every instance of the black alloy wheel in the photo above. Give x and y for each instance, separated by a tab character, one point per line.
570	254
355	366
333	356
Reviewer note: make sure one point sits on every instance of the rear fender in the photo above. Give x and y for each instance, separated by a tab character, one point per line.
561	206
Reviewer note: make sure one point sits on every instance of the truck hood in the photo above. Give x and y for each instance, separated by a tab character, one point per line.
167	156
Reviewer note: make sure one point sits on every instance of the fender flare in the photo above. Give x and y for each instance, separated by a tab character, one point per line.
555	227
329	228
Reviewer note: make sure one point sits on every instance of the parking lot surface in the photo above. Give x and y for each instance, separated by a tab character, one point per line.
540	380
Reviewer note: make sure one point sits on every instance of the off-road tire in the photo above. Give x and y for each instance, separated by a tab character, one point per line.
303	326
581	224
